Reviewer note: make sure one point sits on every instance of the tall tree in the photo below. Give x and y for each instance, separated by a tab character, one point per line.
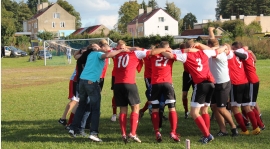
32	4
23	13
7	26
153	4
127	12
188	21
143	5
70	9
175	12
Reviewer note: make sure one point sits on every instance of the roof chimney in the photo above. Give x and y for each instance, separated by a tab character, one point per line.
148	9
141	11
42	6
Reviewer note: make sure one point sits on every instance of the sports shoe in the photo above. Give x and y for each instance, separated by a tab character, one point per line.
125	139
62	121
256	131
158	137
186	115
82	133
113	119
205	140
67	128
164	118
244	133
135	138
234	132
220	133
95	138
72	133
175	137
141	113
263	128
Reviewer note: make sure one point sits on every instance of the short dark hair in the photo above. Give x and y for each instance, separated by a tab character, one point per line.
237	45
163	44
212	42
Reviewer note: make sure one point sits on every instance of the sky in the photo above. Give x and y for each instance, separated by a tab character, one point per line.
95	12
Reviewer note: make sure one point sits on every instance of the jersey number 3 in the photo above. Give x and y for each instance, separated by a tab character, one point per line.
123	61
200	66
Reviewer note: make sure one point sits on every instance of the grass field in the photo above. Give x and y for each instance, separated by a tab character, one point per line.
34	97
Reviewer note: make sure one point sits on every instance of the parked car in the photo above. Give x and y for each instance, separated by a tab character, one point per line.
23	53
41	55
12	51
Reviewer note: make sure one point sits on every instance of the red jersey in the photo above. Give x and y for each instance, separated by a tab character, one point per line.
197	64
104	68
161	69
249	66
236	70
147	67
126	64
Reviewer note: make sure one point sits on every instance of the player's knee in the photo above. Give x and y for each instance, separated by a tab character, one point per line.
171	105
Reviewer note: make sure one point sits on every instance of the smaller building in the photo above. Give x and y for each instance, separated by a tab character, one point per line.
153	22
92	30
52	18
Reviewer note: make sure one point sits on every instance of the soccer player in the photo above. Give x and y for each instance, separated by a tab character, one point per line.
219	69
197	64
240	94
253	79
89	86
161	81
186	80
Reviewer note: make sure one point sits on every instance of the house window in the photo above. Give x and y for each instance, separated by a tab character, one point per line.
166	28
53	24
29	26
35	25
140	29
160	19
56	15
62	24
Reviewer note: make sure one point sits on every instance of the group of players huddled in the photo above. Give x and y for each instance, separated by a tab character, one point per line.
221	76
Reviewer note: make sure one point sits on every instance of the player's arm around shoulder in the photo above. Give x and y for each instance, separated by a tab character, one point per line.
112	53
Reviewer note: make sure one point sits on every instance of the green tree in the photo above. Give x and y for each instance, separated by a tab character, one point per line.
252	28
153	4
7	26
70	9
188	21
45	35
236	27
32	4
143	5
175	12
23	14
127	12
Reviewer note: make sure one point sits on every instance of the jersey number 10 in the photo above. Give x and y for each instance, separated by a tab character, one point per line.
123	61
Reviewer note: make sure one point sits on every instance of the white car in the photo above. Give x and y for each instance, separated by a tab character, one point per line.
12	51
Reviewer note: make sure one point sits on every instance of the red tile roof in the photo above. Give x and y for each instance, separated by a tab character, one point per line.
87	30
192	32
145	16
39	13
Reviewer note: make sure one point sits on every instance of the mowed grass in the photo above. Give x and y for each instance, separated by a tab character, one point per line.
34	97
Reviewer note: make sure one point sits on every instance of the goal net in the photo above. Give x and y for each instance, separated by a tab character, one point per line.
59	51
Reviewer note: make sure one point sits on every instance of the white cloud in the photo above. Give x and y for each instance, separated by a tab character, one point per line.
108	21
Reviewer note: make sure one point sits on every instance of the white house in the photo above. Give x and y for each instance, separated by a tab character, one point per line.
153	22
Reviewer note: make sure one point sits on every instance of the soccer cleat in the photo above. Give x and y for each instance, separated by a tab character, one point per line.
72	133
256	131
125	139
67	128
141	113
263	128
135	138
175	137
220	133
62	121
158	137
205	140
82	133
113	119
186	115
244	133
95	138
234	132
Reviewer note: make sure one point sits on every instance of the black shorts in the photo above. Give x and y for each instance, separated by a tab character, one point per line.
240	95
253	92
202	94
125	94
187	82
112	82
148	86
165	89
221	94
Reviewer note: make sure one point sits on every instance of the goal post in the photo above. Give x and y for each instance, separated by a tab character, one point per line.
55	52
